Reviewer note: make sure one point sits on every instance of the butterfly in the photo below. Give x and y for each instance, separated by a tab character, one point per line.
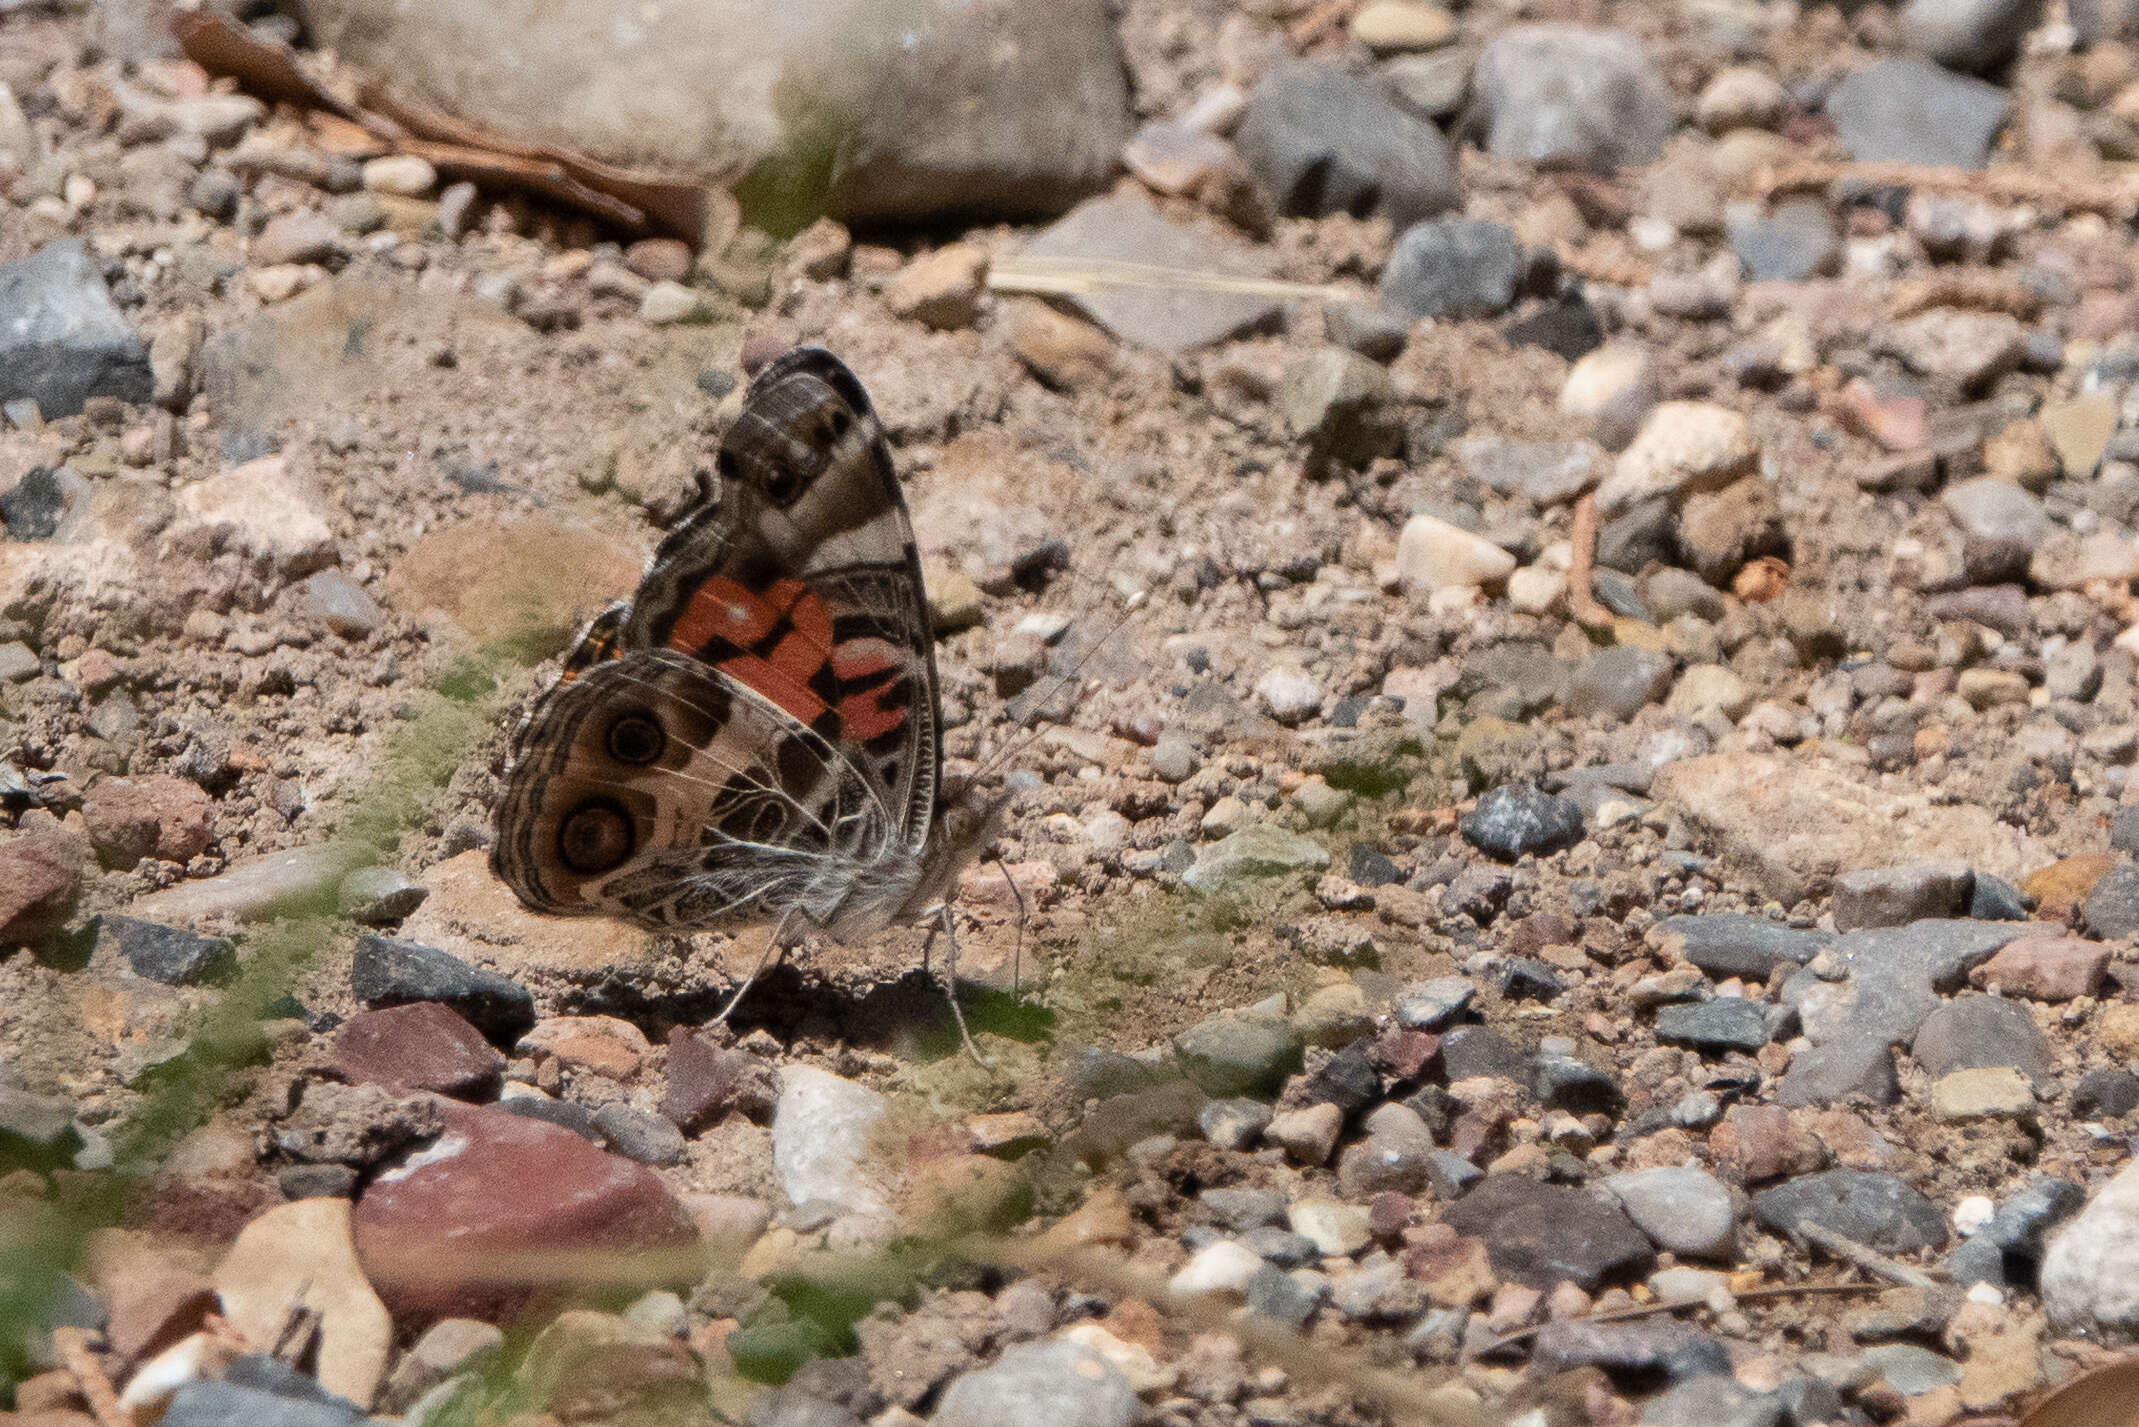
756	735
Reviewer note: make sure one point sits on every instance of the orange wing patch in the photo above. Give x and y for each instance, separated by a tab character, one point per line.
722	614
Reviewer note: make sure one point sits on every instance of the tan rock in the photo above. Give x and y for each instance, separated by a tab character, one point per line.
299	1255
940	289
1684	446
537	578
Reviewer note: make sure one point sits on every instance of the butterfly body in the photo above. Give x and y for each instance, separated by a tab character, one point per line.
757	734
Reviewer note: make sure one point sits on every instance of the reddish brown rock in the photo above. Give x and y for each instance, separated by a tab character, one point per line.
601	1044
40	878
706	1081
157	816
1896	423
505	1208
421	1046
1405	1055
2046	968
1763	1142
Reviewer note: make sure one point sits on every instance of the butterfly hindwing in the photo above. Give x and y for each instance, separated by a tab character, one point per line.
784	629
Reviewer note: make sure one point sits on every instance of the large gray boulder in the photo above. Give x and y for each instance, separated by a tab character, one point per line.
892	109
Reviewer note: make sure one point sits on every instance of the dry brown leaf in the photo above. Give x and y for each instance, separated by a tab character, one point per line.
2106	1397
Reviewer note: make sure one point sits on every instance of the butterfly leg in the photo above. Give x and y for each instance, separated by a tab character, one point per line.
950	984
775	945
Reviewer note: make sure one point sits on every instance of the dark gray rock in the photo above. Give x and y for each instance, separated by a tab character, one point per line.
1541	1234
1793	243
1561	1082
1233	1124
317	1181
1643	535
1469	1051
1453	267
1896	896
1517	818
171	955
1563	96
1996	900
1727	944
389	971
636	1134
2111	911
1275	1294
2022	1223
1975	1261
1347	1080
1323	141
1243	1209
377	896
1567	326
1895	977
1975	36
1910	111
1636	1355
62	339
1525	978
2124	829
1450	1175
1877	1210
1726	1023
1974	1031
2105	1094
569	1113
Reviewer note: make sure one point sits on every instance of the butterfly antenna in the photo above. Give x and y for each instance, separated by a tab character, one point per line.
775	945
995	760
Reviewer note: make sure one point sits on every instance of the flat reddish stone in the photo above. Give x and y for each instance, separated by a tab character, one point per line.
1763	1142
2046	968
504	1208
706	1081
420	1046
155	816
1896	423
603	1045
1405	1054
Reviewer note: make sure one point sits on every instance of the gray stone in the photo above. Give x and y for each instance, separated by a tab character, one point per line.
1912	112
1894	978
994	108
1370	330
2090	1276
1683	1209
378	896
1287	1298
1453	267
2111	909
1617	683
1239	1054
171	955
1545	473
1568	97
2023	1221
1233	1123
1975	1031
1896	896
340	603
1540	1234
1726	1023
1432	86
37	1131
1323	141
636	1134
1515	819
2105	1094
1048	1384
1562	1082
389	971
1433	1005
221	1404
1716	1400
1170	319
1877	1210
1975	36
1728	944
1793	243
62	339
1996	900
1243	1209
1636	1352
1257	851
1469	1051
1342	405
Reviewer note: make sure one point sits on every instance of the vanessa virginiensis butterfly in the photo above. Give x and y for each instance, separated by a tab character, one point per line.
756	735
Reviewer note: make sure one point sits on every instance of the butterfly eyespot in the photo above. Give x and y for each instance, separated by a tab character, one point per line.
836	424
782	486
596	837
636	738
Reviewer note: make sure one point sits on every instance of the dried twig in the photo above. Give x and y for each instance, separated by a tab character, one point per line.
1674	1305
2117	194
1984	291
1581	600
1864	1257
72	1345
1032	272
